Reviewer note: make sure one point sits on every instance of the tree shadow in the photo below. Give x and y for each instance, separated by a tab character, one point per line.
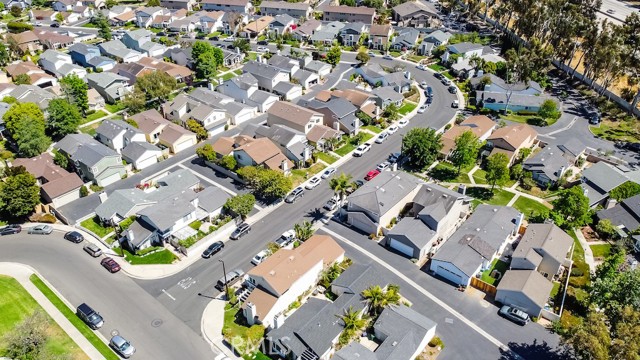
534	351
315	214
443	174
484	194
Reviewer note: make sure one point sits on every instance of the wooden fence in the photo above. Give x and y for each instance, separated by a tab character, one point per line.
483	286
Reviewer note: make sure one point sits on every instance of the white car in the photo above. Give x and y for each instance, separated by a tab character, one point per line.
455	104
388	57
404	122
328	172
229	39
260	257
392	129
383	166
263	49
360	150
421	67
382	137
423	85
423	108
286	238
371	54
313	183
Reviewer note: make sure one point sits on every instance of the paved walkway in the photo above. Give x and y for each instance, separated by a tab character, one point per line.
22	273
588	254
211	326
470	174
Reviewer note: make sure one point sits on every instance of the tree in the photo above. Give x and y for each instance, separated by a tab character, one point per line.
75	89
363	57
59	18
348	2
240	205
303	231
606	228
102	23
157	85
153	3
60	159
64	118
243	45
206	66
2	7
19	194
26	126
27	341
110	3
333	55
572	207
352	320
391	112
267	183
549	110
206	152
84	192
228	162
135	101
466	150
516	172
421	146
22	79
625	191
376	298
591	339
4	54
497	169
340	184
16	11
196	127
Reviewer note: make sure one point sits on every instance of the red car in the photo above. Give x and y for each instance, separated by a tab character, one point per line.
110	265
371	174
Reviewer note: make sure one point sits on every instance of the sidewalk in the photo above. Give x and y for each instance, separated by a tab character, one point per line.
588	254
211	326
22	273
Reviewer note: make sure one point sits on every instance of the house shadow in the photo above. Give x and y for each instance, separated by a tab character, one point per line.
535	351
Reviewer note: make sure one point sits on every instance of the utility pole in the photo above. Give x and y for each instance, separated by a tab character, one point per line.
226	284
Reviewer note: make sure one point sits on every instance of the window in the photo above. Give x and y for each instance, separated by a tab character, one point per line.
94	170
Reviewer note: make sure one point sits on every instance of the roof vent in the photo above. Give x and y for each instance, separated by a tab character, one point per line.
394	343
445	196
291	258
272	272
478	229
382	189
429	189
495	210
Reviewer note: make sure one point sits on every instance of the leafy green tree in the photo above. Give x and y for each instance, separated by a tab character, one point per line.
606	228
157	85
421	146
19	194
206	152
219	55
206	66
303	231
22	79
516	172
267	183
153	3
625	191
353	322
391	112
228	162
243	45
549	110
4	54
333	55
363	57
466	150
200	47
102	23
572	206
64	118
348	2
497	169
591	339
75	89
135	101
59	18
196	127
2	7
26	126
16	11
240	205
28	340
84	192
363	117
60	159
110	3
340	184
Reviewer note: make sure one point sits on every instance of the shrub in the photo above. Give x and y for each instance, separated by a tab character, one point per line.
18	27
577	272
84	191
148	250
436	341
43	218
95	188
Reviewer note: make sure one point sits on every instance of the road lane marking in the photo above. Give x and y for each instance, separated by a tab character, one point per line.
169	295
186	283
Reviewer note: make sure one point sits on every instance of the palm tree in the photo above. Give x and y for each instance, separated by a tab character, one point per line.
376	298
352	320
340	184
303	231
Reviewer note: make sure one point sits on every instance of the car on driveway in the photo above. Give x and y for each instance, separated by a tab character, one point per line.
294	195
260	257
92	249
516	315
371	174
360	150
122	346
242	230
315	181
10	230
213	249
263	49
383	166
423	108
328	172
332	204
404	122
392	129
287	238
110	264
41	230
382	137
74	237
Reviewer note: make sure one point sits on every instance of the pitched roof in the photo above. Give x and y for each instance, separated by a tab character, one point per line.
110	129
604	176
260	70
383	192
548	237
292	112
514	135
479	125
84	148
226	2
463	47
626	213
60	186
530	282
343	9
549	161
135	150
411	7
173	133
41	166
149	120
380	30
212	198
284	5
264	151
319	132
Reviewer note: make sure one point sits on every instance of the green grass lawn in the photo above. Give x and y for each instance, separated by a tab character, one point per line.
75	320
529	207
531	119
407	107
616	130
95	116
601	250
251	56
448	173
555	289
328	158
480	177
90	129
93	225
345	149
298	176
372	128
229	75
416	58
235	330
90	25
113	108
395	53
499	265
437	67
498	197
16	304
448	75
160	257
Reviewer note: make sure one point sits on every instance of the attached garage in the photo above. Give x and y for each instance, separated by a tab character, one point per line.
141	154
449	272
216	129
362	222
183	144
109	179
144	163
527	290
399	246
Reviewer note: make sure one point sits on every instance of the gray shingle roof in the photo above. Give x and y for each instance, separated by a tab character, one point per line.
405	328
604	176
259	70
463	47
212	198
384	192
547	237
627	213
121	203
530	283
387	93
110	129
414	231
438	36
135	150
549	161
84	149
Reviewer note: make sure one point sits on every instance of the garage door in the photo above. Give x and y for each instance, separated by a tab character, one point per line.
183	145
243	116
216	130
403	248
110	179
449	275
146	162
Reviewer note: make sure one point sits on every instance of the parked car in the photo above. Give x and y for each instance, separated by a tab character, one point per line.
392	129
424	85
41	230
515	315
92	249
294	195
286	238
263	49
328	172
229	278
229	39
371	174
359	183
455	104
360	150
429	91
161	33
635	147
371	54
438	75
263	42
260	257
215	38
55	25
394	157
200	37
331	204
383	166
10	230
122	346
213	249
452	89
89	316
242	230
110	264
428	101
421	67
445	81
382	137
388	57
423	108
315	181
404	122
74	237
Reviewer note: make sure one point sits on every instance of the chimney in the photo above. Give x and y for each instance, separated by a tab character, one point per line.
103	197
250	313
130	235
278	321
259	58
610	203
336	125
284	166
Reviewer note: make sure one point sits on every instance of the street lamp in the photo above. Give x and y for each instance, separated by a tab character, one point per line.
226	284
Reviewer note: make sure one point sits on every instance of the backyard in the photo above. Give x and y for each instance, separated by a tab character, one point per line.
529	207
448	173
500	267
95	116
601	250
497	197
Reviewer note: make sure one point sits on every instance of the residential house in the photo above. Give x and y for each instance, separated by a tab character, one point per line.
262	152
363	101
476	243
386	95
57	186
22	4
374	204
116	10
379	36
435	213
37	76
65	5
238	6
510	139
304	78
293	116
118	134
181	56
32	93
140	40
141	154
257	27
123	18
151	123
287	274
272	79
176	138
624	215
144	16
303	32
480	125
318	67
117	50
339	114
70	17
438	38
83	11
40	15
406	39
349	14
96	4
376	76
54	40
526	290
27	42
281	25
185	25
495	94
598	180
547	166
232	21
88	56
112	87
543	248
244	89
225	146
209	21
416	14
351	33
327	33
95	100
60	64
295	10
180	73
464	50
232	59
178	4
292	143
92	160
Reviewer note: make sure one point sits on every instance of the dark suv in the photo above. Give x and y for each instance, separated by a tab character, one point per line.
213	249
74	237
89	316
242	230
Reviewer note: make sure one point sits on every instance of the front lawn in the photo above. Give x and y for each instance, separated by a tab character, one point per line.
498	265
229	75
237	332
497	197
372	128
298	176
328	158
113	108
16	304
480	177
437	67
600	250
529	207
395	54
350	146
531	119
416	58
251	56
93	225
407	107
617	130
163	256
95	116
447	173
